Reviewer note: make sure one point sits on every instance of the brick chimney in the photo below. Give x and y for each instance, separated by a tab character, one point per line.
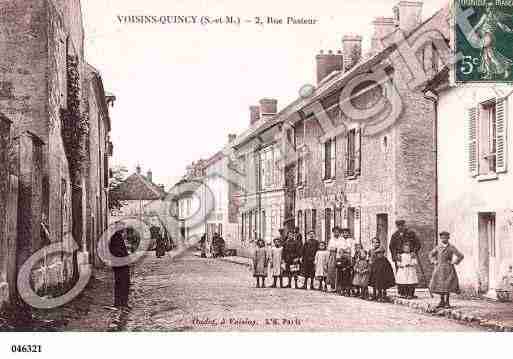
268	106
408	14
383	26
327	63
254	114
149	176
231	137
352	49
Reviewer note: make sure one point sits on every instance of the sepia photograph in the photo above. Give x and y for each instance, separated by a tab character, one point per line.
269	167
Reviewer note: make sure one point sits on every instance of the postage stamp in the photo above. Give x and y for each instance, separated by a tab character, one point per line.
487	55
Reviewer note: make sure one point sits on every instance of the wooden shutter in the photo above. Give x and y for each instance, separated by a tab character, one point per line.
473	156
347	154
333	157
323	160
501	125
357	151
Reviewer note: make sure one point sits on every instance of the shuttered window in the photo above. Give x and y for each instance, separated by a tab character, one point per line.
353	153
487	143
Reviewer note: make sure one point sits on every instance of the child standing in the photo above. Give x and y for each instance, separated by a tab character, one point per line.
407	272
382	274
321	266
260	260
361	272
345	273
445	279
275	261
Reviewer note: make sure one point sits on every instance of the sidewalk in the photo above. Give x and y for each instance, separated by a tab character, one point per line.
489	314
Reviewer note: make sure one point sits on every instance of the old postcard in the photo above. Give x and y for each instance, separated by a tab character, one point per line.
271	166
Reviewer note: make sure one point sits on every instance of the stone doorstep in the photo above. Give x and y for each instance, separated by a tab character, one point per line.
461	314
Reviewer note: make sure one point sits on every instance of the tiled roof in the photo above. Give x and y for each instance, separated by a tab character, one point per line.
137	187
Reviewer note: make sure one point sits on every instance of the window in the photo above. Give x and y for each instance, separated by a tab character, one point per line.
250	229
314	219
300	219
487	138
351	216
327	224
220	229
329	159
264	225
242	227
301	171
353	146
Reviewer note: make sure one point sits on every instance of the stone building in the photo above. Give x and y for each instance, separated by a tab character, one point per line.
262	196
474	143
43	97
379	168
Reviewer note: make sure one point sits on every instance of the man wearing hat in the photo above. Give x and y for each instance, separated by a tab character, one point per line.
399	238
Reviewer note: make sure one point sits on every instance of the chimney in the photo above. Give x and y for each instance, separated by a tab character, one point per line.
254	114
268	106
383	26
138	169
149	176
231	137
352	49
327	63
408	14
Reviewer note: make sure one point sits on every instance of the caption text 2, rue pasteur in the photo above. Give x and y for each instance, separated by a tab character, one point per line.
215	20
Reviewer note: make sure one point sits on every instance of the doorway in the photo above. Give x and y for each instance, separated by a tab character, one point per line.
487	251
382	230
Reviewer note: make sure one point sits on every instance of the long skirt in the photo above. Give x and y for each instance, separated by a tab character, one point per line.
308	269
121	285
382	274
444	279
331	279
344	278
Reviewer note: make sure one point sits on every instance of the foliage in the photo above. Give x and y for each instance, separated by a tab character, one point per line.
118	175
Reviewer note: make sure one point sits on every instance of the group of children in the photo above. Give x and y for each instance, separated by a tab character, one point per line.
355	272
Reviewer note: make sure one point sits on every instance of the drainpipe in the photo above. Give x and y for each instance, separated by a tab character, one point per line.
434	97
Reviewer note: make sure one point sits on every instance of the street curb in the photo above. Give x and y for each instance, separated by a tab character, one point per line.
456	314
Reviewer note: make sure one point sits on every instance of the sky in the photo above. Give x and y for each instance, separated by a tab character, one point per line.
182	88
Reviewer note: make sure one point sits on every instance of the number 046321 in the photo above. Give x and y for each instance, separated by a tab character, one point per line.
26	348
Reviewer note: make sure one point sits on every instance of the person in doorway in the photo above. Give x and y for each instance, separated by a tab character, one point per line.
292	251
276	262
297	233
381	274
444	281
308	261
321	266
118	248
260	261
406	276
403	235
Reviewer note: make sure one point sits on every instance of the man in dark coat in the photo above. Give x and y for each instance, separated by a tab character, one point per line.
292	251
399	238
203	245
119	249
297	233
309	250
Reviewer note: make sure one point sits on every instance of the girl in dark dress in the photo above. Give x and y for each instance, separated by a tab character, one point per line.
118	249
345	274
309	250
381	275
160	243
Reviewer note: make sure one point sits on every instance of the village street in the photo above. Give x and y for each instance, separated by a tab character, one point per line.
187	293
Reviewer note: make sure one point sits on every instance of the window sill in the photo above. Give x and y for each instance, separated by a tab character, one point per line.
487	177
301	186
329	180
352	177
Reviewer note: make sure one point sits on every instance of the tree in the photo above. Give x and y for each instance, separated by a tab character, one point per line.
118	175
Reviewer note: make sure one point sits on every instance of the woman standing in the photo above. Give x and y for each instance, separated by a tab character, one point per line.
309	250
335	247
445	279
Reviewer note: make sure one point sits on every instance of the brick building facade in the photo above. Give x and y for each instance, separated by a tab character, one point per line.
43	94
